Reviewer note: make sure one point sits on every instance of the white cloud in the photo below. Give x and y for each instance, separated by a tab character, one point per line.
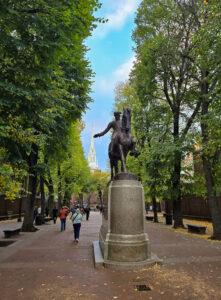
119	13
106	85
123	71
124	9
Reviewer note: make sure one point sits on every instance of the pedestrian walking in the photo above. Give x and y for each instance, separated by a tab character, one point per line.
87	212
63	215
76	220
54	214
67	209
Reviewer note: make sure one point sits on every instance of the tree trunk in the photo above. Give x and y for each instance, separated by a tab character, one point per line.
176	192
27	225
59	188
153	198
51	194
155	215
42	191
212	199
214	206
19	210
176	188
23	197
81	199
168	207
6	207
67	196
168	212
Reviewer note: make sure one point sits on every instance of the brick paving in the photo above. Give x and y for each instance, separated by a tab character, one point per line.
48	265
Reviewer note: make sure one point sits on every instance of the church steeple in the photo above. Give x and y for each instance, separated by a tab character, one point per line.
92	160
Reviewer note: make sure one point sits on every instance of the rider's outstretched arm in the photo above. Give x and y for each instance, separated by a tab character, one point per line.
109	126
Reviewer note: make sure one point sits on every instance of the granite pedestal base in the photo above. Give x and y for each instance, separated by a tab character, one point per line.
123	241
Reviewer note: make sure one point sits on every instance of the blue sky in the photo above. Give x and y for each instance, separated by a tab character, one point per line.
111	58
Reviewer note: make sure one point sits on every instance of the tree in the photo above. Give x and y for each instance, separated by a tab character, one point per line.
163	72
208	64
45	77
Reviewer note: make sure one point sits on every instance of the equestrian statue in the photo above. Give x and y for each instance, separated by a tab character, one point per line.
122	142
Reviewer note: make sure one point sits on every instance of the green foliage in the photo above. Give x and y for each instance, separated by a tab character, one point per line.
99	181
175	42
10	176
166	89
74	168
45	77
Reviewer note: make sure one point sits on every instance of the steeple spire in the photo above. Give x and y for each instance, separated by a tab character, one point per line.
92	160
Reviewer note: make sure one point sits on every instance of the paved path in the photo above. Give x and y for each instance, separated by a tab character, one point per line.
48	265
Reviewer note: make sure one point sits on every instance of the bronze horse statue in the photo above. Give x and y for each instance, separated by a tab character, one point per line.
123	143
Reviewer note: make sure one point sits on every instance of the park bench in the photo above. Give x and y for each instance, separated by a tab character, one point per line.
11	232
149	218
196	228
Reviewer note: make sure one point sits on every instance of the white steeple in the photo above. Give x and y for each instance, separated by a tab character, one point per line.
92	160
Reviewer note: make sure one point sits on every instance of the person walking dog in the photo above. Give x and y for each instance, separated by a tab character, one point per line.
76	220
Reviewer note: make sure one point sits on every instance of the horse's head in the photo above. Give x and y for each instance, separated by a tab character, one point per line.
126	119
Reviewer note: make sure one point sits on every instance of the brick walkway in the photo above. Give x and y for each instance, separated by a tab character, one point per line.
48	265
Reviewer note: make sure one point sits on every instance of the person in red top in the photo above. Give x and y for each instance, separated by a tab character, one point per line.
63	215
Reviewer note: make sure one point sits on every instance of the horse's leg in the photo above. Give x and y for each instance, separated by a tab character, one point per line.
123	164
111	161
116	167
122	169
112	169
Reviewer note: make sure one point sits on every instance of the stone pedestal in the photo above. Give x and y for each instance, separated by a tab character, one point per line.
123	240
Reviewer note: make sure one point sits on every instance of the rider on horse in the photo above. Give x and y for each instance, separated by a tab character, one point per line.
121	142
116	126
